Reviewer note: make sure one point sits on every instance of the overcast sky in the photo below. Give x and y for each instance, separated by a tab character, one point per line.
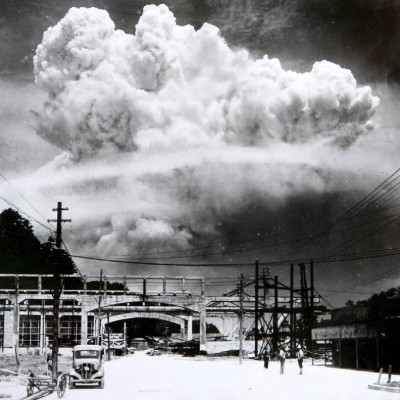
240	127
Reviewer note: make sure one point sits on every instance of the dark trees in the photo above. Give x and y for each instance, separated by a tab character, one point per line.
22	253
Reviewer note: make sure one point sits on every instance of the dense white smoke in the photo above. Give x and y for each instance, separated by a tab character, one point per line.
182	131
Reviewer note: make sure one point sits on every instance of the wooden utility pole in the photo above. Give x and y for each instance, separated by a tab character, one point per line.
241	319
256	312
16	323
57	290
108	336
98	334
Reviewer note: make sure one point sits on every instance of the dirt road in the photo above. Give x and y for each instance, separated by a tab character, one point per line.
141	377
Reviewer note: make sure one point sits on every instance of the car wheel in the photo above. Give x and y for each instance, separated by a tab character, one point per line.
101	384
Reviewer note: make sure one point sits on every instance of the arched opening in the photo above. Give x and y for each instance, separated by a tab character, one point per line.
146	329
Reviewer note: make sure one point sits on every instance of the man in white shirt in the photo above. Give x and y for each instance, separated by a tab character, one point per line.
282	358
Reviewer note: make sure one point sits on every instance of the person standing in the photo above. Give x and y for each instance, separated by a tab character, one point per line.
300	357
282	358
266	359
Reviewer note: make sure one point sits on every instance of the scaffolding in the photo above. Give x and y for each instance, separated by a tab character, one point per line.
284	314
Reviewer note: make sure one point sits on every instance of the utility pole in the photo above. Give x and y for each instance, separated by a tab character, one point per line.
256	312
241	319
98	338
108	335
57	289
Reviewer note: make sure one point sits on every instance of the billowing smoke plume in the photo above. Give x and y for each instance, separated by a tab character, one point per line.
171	87
170	133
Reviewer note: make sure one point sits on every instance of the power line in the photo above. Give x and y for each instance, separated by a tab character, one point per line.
161	264
21	195
25	213
345	217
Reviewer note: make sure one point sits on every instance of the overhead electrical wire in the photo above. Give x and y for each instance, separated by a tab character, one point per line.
361	205
27	202
26	214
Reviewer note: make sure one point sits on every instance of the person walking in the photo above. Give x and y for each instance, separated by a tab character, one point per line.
300	357
282	358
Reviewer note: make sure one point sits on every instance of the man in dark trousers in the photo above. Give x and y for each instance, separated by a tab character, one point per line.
300	357
266	358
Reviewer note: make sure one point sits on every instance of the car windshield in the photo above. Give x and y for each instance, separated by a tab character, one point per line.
87	354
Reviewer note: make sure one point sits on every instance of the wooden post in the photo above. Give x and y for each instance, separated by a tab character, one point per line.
380	376
241	318
389	374
291	318
144	290
377	352
357	362
311	313
325	351
4	325
340	353
108	335
256	310
16	322
275	334
125	338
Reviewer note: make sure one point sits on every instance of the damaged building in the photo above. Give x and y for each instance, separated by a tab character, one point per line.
363	336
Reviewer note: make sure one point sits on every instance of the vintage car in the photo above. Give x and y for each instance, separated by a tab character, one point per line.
87	366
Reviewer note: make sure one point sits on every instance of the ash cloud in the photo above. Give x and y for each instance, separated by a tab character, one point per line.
169	133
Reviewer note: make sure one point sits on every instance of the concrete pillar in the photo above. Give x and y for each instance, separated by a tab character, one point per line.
84	323
182	331
224	332
40	284
203	327
8	328
15	340
190	328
